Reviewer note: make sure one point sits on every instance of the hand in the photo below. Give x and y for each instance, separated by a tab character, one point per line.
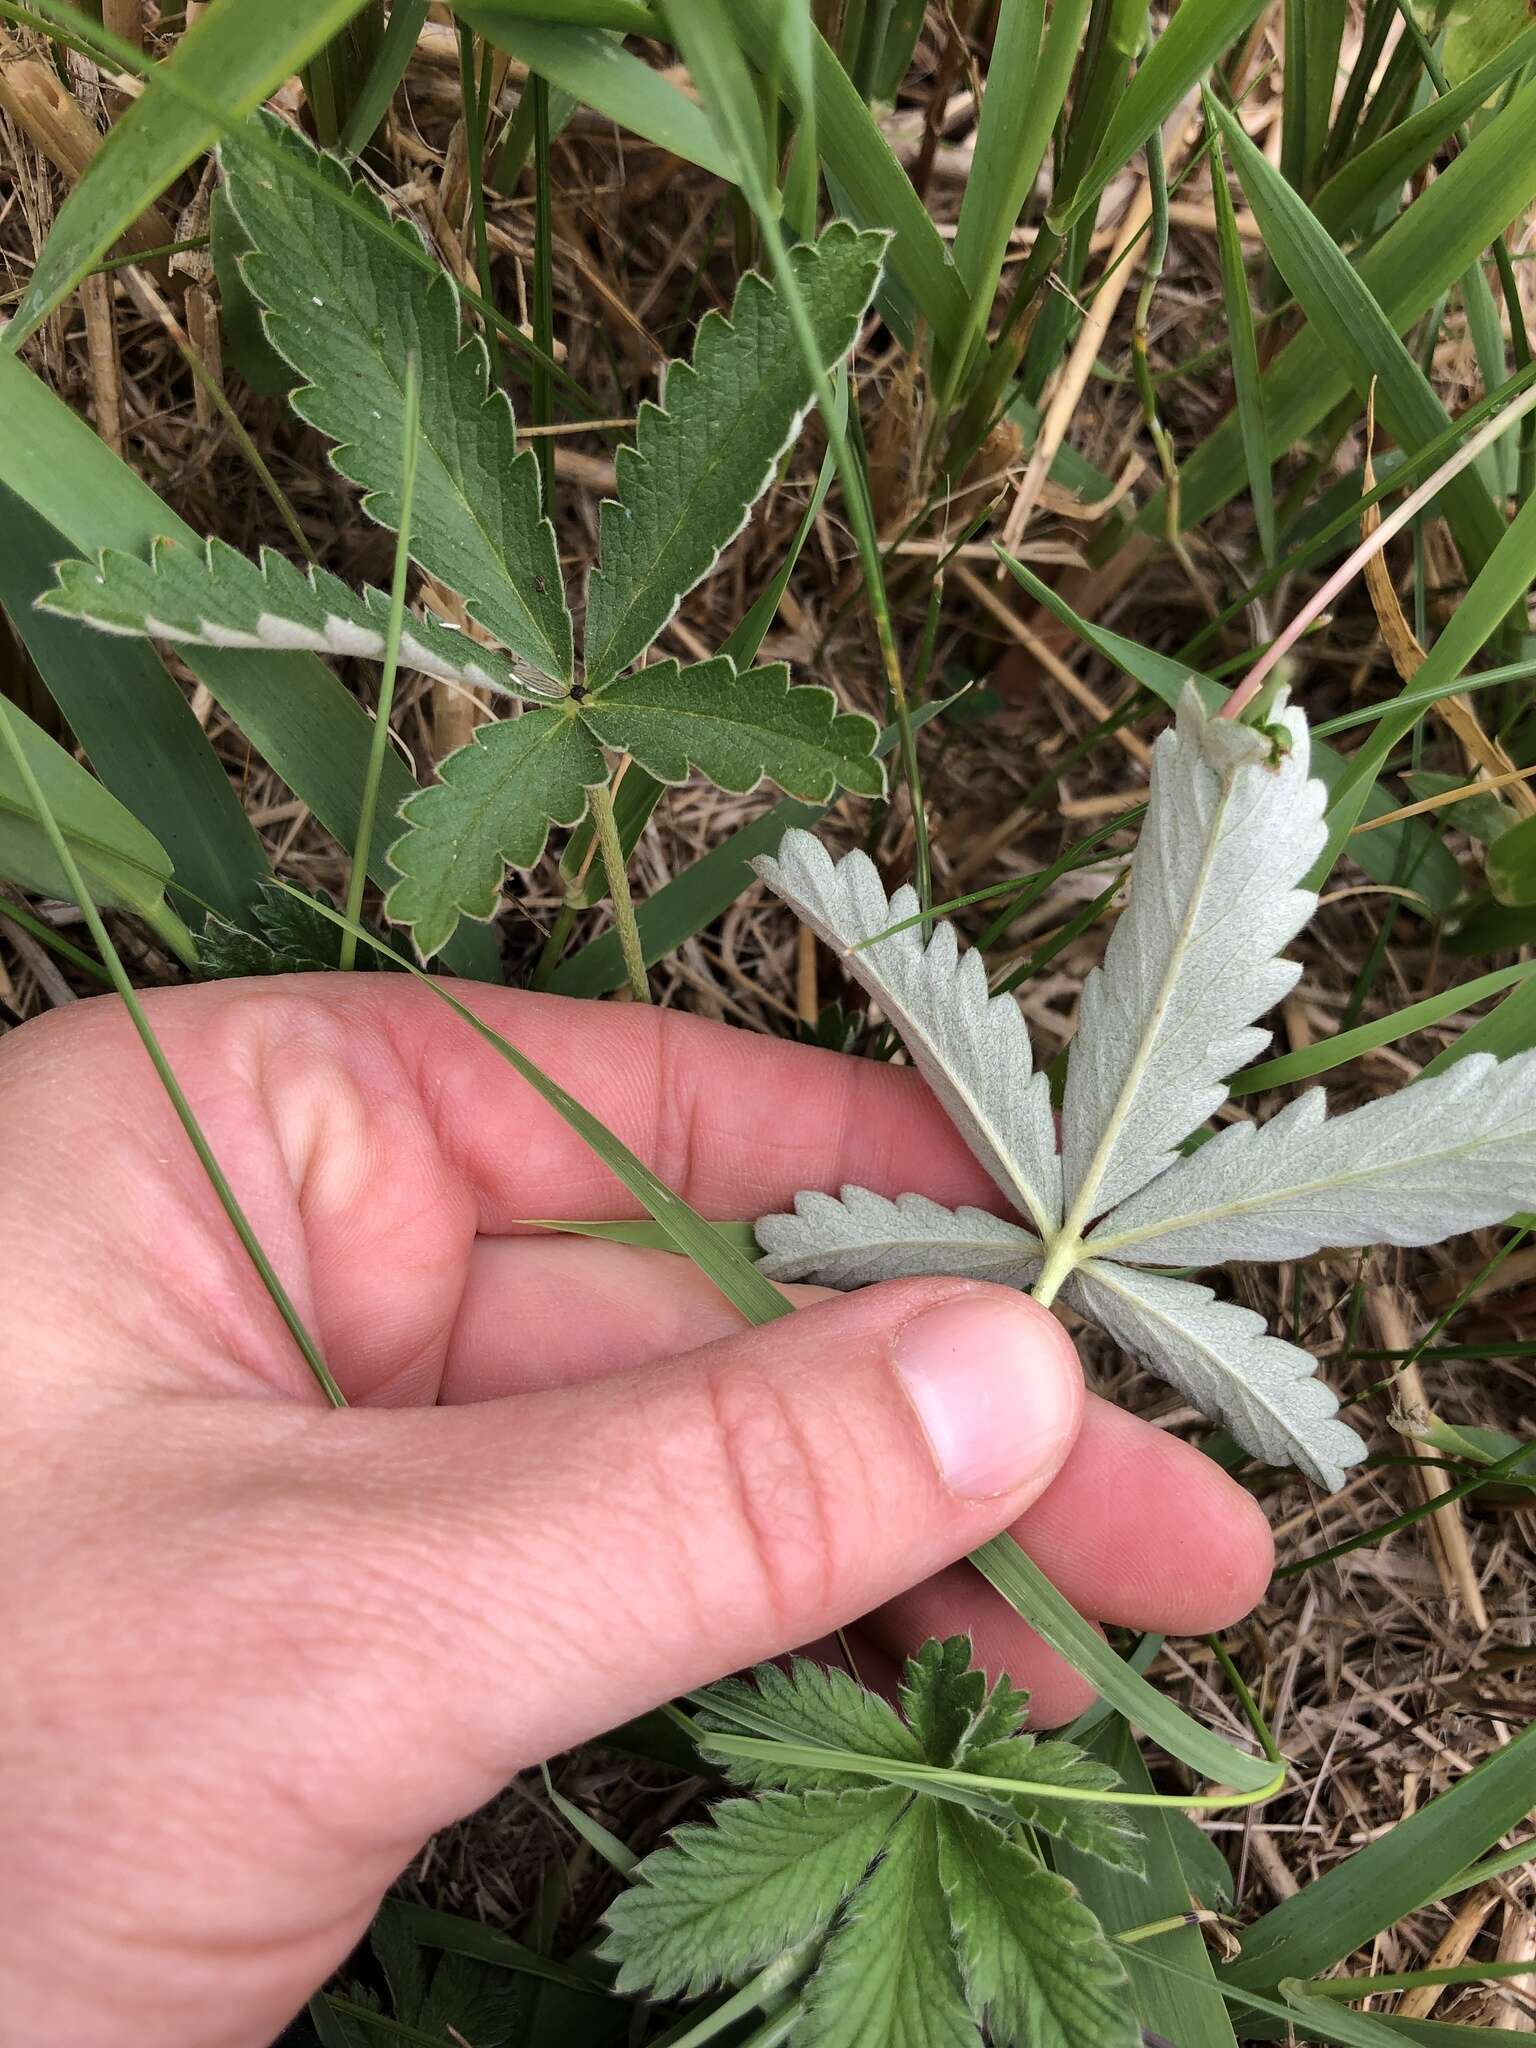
257	1651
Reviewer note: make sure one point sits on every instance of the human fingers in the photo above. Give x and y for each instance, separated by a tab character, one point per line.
372	1618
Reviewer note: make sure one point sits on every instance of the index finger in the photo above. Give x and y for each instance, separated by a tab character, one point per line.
735	1122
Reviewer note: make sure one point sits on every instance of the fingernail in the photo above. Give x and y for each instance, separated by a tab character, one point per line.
996	1386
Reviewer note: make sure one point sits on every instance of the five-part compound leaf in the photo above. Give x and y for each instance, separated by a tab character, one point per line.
889	1976
972	1049
728	1897
217	598
1451	1153
492	809
698	466
346	301
1233	824
737	729
1229	832
1035	1962
860	1238
1221	1357
937	1910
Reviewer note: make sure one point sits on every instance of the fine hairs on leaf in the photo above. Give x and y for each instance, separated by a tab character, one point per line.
1233	824
346	301
934	1911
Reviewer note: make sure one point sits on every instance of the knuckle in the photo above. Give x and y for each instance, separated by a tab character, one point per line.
781	1491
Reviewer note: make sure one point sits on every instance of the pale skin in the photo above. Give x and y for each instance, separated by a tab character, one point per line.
257	1651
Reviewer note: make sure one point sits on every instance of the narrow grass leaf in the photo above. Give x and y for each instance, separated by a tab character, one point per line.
135	725
1247	383
1014	126
232	57
1192	42
598	71
1408	1867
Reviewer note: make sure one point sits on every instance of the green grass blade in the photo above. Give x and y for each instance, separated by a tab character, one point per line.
1011	135
1423	253
1344	1046
291	708
1026	1589
1182	55
1395	1875
1374	174
134	723
1192	2013
1357	333
396	48
1509	1029
602	74
868	176
232	55
1247	382
1500	585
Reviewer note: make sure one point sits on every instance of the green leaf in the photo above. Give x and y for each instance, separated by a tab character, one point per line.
1037	1968
491	810
395	1948
1357	333
295	713
244	339
1248	384
1380	170
1027	1590
809	1704
725	1897
1104	1832
229	59
124	865
1481	817
687	484
1404	1869
888	1977
1186	2008
739	730
346	305
597	70
1480	31
1185	51
1512	865
283	932
1422	254
216	597
941	1696
135	725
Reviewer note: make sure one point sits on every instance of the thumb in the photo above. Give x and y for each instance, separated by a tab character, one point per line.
653	1532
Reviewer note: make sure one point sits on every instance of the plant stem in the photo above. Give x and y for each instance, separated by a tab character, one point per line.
618	888
379	740
111	959
554	946
543	288
172	933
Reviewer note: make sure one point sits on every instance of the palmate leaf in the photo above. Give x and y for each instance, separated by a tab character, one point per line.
1451	1153
216	597
499	795
696	468
942	1695
1035	1961
737	729
1220	1356
346	305
1229	832
972	1049
859	1238
493	807
727	1897
889	1976
1103	1831
808	1704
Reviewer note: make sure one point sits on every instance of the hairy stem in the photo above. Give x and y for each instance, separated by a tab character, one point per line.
618	888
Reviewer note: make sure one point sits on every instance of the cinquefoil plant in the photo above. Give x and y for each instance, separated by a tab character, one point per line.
347	300
1233	825
888	1867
